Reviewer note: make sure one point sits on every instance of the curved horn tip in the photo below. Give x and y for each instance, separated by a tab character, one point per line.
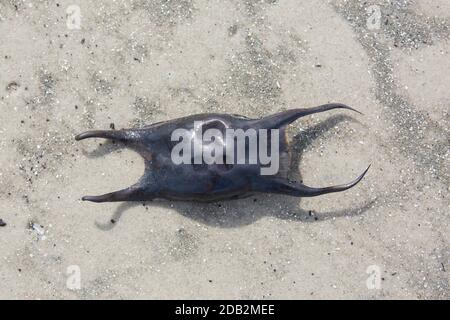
82	136
91	198
353	109
363	174
350	108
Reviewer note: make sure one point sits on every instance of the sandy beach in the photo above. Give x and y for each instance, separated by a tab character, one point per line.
71	66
